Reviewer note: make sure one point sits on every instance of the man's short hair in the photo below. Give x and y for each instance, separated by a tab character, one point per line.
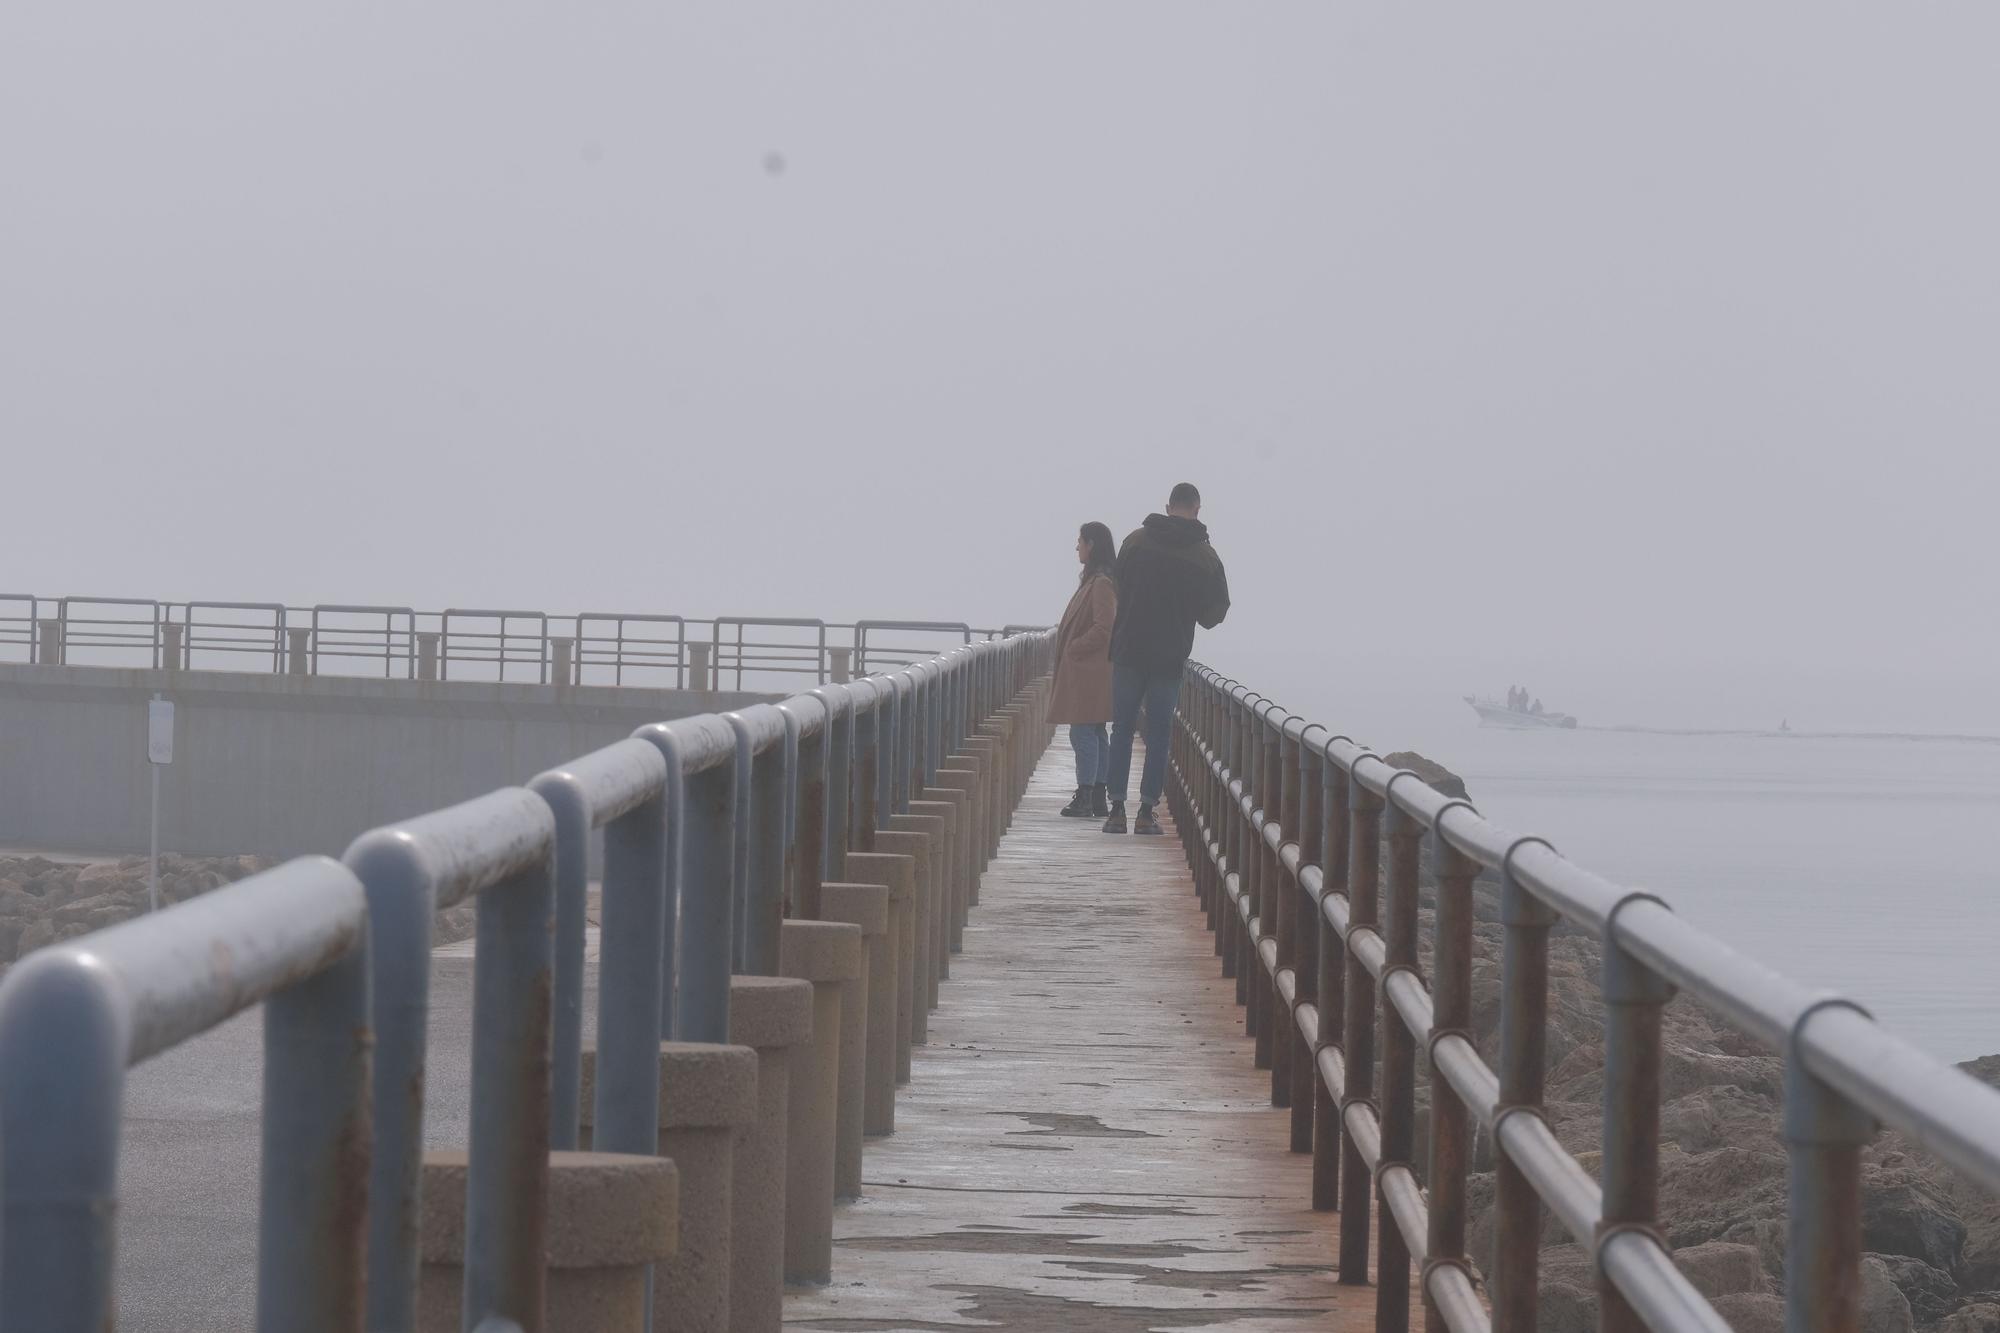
1184	496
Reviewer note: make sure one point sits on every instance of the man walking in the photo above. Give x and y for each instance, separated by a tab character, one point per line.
1169	580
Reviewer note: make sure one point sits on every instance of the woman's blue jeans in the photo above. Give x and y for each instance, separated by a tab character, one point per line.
1093	752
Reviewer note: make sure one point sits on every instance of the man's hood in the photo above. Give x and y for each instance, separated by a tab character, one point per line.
1173	530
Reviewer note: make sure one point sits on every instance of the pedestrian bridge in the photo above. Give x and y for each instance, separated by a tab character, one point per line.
853	1033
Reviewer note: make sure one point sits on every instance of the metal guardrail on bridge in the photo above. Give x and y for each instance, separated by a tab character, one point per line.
586	648
1284	824
716	828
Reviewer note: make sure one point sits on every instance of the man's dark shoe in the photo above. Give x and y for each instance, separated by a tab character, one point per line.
1100	805
1116	824
1079	805
1145	823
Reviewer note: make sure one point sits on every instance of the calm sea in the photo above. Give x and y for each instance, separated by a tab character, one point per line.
1865	866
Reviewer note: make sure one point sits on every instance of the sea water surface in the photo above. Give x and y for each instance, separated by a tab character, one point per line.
1866	866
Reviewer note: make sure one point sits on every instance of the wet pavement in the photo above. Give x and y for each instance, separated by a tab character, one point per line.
1084	1144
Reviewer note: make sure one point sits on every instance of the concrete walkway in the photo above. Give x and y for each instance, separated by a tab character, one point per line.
1084	1144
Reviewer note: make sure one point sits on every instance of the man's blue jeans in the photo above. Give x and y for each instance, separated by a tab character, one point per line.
1130	690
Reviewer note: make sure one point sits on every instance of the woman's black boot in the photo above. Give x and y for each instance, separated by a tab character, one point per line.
1079	805
1098	805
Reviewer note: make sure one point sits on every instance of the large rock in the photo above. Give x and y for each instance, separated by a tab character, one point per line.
1718	1268
1751	1312
1981	1317
1432	772
1903	1211
1931	1292
1883	1308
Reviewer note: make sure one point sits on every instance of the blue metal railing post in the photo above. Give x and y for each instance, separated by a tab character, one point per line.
759	860
63	1037
313	1173
794	795
632	931
571	809
502	841
506	1204
836	777
701	1003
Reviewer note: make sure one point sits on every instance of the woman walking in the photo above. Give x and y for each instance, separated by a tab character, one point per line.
1081	692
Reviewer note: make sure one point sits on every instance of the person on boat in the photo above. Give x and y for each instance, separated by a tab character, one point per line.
1169	580
1537	709
1080	694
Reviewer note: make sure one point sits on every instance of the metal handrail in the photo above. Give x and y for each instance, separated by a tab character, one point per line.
715	827
230	636
644	652
1285	830
345	641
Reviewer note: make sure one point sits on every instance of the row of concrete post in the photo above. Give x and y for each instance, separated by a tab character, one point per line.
761	1138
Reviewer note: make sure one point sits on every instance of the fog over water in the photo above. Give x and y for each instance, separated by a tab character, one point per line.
1645	358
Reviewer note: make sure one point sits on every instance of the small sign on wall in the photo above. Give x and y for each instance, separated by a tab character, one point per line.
160	731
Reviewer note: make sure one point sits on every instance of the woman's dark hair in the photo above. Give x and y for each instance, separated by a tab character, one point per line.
1103	551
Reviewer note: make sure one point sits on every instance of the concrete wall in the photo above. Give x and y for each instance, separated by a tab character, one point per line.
284	765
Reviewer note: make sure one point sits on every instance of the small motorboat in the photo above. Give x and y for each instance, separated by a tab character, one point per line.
1496	713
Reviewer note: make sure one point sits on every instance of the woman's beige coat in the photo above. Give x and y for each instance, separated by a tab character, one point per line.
1081	691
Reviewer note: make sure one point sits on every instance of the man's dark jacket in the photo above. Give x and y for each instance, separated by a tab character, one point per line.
1169	580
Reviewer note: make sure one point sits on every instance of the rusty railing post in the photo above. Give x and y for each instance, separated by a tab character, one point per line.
1824	1136
1364	872
1399	1057
1331	983
1304	803
1524	1016
1451	1015
1634	995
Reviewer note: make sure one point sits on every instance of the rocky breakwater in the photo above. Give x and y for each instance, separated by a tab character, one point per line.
45	901
1933	1238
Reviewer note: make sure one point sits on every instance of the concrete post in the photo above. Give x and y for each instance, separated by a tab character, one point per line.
999	731
977	755
996	783
922	839
774	1017
562	652
865	1025
898	874
829	955
708	1098
298	652
49	642
959	823
172	654
698	658
945	865
961	776
427	655
900	840
610	1217
841	662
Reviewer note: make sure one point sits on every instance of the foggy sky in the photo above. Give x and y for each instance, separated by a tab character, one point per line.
1646	356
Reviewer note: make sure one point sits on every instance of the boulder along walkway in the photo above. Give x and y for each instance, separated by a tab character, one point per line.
1084	1143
